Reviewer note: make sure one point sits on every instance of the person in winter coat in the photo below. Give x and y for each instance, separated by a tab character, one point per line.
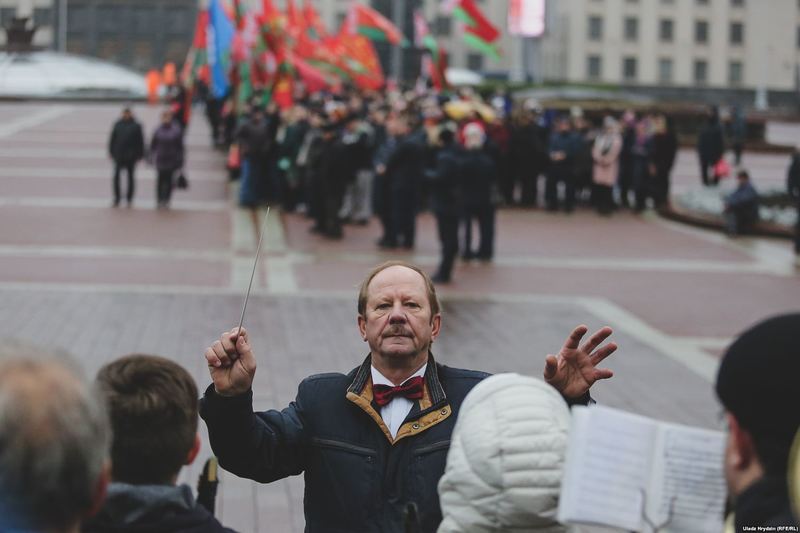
625	178
167	154
447	200
372	443
738	133
152	404
562	152
605	153
665	149
741	206
478	171
793	187
642	155
527	159
404	171
710	147
506	458
126	148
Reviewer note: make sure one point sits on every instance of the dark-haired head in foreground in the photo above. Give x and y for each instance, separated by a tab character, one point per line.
757	385
152	402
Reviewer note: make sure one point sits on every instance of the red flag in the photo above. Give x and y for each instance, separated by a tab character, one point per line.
366	21
313	21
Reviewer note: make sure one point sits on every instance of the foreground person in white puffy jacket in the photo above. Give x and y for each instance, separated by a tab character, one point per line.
506	458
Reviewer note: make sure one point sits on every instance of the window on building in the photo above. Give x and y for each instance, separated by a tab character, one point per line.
442	26
700	72
701	2
177	20
143	20
668	2
629	68
340	18
108	21
631	25
665	30
42	16
737	3
700	31
6	14
737	33
735	73
595	28
665	70
594	67
475	62
78	18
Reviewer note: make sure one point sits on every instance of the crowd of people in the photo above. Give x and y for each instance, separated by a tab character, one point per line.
400	443
343	158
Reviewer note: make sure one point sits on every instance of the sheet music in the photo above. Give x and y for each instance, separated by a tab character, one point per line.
692	480
607	468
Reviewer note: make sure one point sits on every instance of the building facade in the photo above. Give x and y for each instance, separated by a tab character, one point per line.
714	44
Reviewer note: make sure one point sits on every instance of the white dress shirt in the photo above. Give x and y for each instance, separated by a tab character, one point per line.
394	412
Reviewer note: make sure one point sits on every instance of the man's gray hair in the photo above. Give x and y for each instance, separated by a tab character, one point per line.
54	439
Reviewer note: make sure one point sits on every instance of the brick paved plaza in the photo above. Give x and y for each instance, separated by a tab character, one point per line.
103	282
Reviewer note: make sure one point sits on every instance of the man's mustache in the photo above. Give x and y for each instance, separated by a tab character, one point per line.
397	330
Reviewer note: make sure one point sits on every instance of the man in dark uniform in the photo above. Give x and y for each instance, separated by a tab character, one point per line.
372	444
404	170
126	148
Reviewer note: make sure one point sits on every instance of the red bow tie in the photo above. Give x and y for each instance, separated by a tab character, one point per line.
411	389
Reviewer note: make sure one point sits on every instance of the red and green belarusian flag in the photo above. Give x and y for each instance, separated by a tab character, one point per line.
366	21
196	58
479	32
437	62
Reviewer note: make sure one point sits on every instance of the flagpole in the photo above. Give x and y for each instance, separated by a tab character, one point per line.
398	16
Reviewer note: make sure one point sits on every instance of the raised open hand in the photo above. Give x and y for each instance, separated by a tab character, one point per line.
574	370
231	363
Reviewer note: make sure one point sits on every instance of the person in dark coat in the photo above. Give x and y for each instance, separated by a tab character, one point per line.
404	171
373	443
334	170
793	187
126	148
741	206
167	154
710	147
561	150
447	202
643	167
664	150
625	179
152	404
526	154
738	133
757	385
478	171
583	163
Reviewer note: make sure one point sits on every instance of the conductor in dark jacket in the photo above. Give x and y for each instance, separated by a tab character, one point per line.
371	444
126	148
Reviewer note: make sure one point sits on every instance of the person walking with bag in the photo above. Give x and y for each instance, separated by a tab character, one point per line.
166	154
